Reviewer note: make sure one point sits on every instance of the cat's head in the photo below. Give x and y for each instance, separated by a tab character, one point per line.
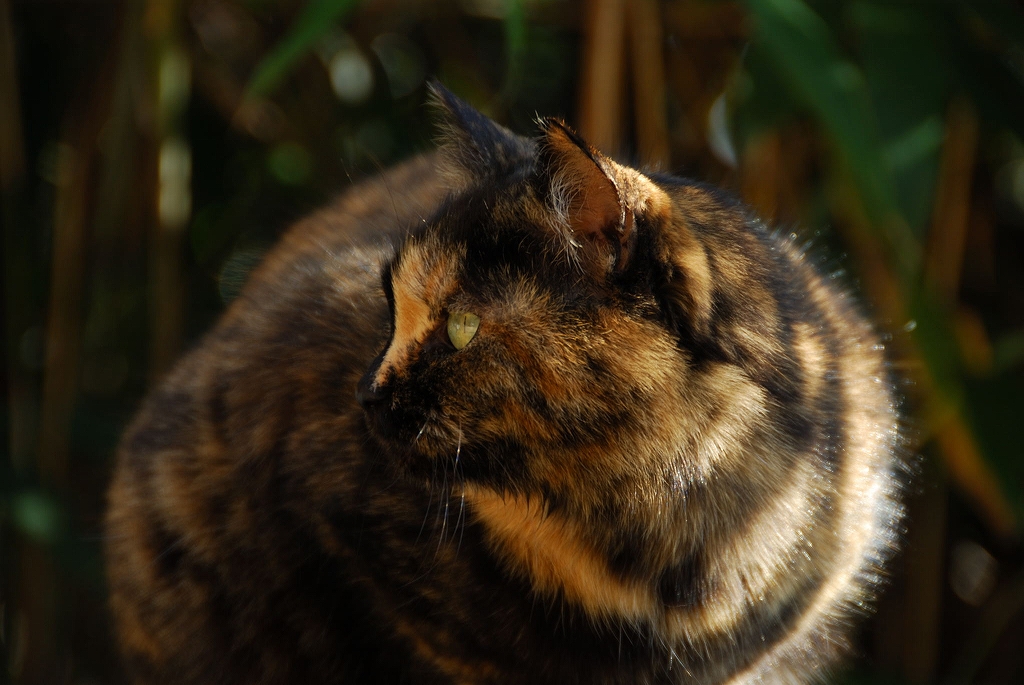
537	317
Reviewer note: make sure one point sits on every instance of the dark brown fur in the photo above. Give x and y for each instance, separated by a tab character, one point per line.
666	457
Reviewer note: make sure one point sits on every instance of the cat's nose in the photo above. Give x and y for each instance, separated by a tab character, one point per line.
367	394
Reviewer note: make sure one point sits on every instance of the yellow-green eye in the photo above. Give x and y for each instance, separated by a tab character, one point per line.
462	327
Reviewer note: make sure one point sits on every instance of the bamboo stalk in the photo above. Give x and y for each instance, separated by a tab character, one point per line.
603	74
24	565
943	266
760	174
76	181
64	312
702	53
41	595
77	165
924	560
701	20
12	157
172	76
21	391
648	69
944	255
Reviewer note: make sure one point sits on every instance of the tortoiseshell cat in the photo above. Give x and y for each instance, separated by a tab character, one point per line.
582	425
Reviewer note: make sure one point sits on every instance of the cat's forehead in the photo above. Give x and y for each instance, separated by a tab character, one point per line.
482	214
484	242
495	229
427	265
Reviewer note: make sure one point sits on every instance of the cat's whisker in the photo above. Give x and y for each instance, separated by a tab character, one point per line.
420	433
458	448
430	500
460	522
444	517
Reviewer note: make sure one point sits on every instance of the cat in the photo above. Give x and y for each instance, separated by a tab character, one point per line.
513	412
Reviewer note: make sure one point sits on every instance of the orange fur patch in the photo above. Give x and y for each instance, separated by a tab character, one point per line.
553	555
419	285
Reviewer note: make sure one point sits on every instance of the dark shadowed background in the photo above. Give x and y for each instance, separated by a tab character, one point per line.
151	150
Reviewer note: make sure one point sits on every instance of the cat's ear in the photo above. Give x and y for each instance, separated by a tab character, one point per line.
472	146
597	200
599	206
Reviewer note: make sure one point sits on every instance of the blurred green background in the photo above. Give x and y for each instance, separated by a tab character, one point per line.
151	151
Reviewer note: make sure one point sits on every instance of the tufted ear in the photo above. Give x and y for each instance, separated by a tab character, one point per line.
586	191
599	207
472	146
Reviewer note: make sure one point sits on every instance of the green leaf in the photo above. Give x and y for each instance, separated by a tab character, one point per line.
760	101
903	49
806	55
315	21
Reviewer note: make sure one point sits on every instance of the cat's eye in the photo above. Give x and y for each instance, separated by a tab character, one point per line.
462	327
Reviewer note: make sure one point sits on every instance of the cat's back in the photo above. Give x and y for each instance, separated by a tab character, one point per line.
196	506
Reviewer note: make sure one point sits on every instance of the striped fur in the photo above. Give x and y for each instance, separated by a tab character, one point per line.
667	456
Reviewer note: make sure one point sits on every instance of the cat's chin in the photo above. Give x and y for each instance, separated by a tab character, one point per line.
410	432
395	429
417	467
410	452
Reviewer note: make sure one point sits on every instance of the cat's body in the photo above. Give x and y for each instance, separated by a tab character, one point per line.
665	456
